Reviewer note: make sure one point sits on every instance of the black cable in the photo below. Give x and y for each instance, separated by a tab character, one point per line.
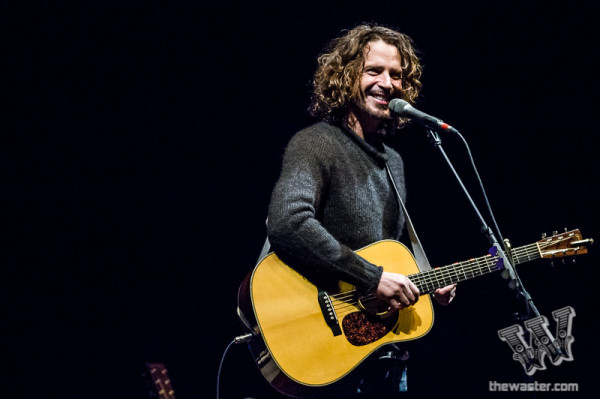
485	197
520	288
221	365
237	340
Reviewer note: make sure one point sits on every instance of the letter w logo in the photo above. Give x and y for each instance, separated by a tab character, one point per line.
532	355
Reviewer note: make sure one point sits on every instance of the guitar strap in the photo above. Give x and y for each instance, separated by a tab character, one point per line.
265	250
417	248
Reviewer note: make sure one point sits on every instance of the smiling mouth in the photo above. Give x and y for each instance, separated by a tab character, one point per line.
380	98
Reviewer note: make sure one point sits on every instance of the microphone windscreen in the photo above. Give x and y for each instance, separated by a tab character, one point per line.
398	106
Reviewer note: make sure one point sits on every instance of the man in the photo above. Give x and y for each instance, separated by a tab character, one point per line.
334	195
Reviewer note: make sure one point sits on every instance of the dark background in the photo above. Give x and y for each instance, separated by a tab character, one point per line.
141	140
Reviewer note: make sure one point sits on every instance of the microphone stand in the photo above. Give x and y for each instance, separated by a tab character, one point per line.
496	250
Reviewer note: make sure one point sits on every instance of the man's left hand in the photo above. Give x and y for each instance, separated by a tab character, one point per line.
445	295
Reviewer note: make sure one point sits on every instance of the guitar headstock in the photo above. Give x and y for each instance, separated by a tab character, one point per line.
160	383
569	243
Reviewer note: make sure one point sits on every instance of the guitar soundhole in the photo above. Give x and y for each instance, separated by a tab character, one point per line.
362	328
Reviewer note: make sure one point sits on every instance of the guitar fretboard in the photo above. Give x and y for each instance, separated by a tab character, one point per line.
429	281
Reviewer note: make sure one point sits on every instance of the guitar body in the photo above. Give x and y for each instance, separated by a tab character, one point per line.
299	349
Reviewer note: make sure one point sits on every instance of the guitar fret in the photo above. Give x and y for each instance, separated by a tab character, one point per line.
465	274
526	253
429	281
470	266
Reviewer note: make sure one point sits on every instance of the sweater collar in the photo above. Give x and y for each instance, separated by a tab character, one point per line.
375	148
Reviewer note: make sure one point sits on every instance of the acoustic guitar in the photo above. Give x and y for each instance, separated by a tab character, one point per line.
306	338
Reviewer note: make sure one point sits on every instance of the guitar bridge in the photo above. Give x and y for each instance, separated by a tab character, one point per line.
329	313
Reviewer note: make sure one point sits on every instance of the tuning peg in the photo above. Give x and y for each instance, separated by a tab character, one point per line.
544	235
566	229
555	232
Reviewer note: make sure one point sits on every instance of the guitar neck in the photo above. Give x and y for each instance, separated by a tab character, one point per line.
431	280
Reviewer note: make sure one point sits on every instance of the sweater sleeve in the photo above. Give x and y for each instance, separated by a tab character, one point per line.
294	229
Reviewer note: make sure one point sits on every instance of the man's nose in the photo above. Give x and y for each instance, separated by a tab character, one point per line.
385	81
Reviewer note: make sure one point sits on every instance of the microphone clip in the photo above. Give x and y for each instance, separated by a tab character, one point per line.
434	137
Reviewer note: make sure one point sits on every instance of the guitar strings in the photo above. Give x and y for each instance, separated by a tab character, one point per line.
450	273
471	267
532	251
467	267
426	279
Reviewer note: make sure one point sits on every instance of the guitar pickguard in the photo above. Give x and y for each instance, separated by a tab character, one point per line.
362	328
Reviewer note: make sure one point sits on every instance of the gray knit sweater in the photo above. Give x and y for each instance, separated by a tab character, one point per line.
334	197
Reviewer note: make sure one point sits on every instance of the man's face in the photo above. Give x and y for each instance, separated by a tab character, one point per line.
380	82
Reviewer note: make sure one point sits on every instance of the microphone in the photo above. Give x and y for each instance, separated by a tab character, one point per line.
403	108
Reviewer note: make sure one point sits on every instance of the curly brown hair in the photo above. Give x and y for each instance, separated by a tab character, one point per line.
336	82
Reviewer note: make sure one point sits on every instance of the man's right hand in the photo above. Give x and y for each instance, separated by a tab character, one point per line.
397	290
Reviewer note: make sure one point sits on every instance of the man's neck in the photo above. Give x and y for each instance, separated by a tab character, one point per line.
364	128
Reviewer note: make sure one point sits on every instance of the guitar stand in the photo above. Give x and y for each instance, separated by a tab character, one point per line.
509	272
